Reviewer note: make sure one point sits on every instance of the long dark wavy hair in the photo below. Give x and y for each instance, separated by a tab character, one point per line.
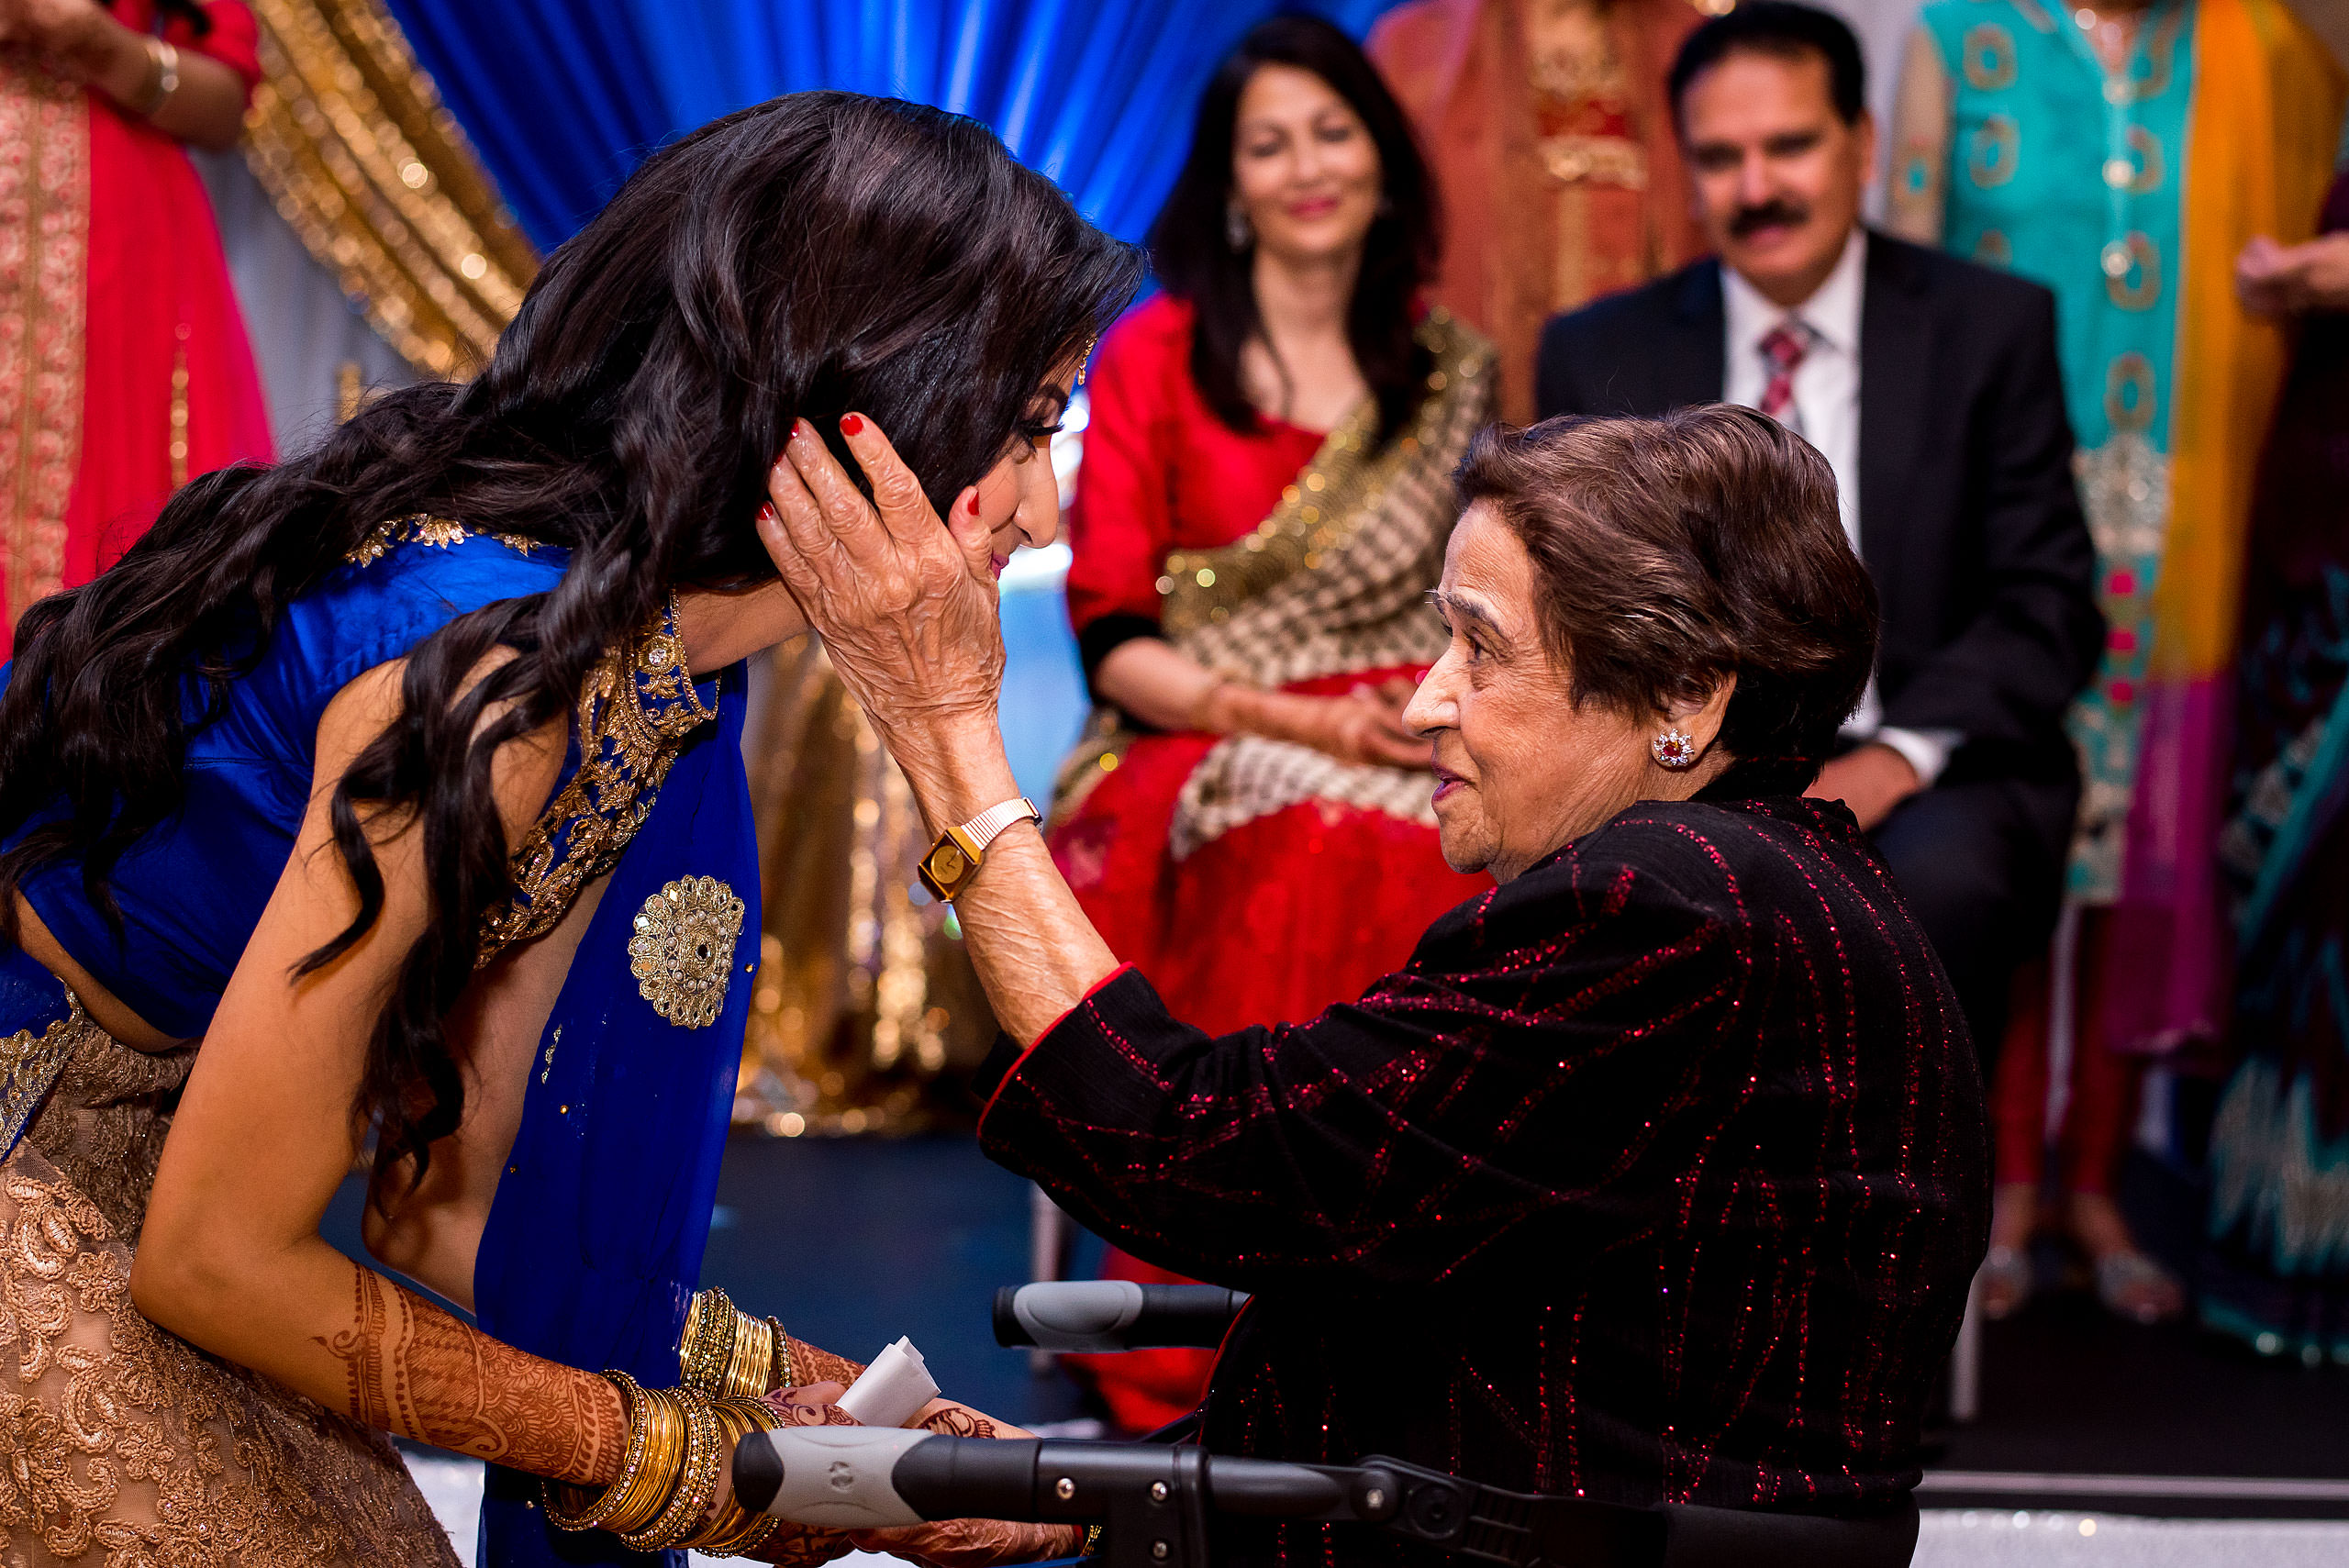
818	253
1196	262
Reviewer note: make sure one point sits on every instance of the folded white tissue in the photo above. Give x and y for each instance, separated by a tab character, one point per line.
892	1390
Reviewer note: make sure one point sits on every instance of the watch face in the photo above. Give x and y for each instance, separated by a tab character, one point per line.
947	863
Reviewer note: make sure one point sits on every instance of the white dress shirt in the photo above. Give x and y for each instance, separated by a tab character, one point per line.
1826	413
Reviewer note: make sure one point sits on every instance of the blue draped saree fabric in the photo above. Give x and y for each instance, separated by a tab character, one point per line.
562	98
33	1001
594	1243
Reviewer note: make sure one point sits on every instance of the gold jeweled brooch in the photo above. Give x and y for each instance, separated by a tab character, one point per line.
683	952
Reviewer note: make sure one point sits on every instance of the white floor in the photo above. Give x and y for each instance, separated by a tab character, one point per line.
1981	1539
1951	1538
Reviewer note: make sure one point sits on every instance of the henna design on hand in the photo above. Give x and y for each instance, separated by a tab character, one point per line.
819	1366
804	1545
807	1412
958	1421
973	1543
412	1369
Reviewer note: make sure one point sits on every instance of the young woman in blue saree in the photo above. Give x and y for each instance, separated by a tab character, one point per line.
394	794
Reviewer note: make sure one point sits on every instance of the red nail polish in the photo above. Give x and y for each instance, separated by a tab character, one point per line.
974	505
766	511
852	424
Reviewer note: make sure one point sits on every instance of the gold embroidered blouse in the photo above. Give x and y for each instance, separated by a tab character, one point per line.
636	706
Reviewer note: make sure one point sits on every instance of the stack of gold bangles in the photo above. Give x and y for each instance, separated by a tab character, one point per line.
678	1441
678	1438
728	1352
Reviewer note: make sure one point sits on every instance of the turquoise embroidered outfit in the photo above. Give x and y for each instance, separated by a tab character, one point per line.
594	1241
2078	190
2129	188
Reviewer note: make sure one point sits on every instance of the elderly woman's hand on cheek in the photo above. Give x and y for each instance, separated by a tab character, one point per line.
905	605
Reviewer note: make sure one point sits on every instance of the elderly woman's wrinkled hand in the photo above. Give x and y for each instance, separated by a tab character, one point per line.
905	605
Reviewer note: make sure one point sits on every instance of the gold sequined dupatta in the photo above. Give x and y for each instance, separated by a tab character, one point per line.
44	269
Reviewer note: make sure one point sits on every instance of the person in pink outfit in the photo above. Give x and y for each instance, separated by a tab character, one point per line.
124	365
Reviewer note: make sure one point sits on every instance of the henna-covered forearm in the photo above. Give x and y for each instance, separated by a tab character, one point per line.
412	1369
810	1364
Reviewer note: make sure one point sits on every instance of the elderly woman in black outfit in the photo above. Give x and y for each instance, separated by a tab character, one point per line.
1658	1173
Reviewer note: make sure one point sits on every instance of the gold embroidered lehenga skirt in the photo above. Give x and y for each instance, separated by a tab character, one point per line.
121	1444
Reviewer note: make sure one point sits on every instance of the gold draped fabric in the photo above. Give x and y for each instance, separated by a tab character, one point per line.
44	244
863	993
352	143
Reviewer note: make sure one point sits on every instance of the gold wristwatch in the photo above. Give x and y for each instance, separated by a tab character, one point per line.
959	852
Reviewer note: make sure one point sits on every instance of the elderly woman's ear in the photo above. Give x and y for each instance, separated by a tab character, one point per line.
1686	734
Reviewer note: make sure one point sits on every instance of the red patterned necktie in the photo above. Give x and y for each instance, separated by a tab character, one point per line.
1783	347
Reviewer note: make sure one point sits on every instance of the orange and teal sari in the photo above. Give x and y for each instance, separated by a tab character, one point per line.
2129	193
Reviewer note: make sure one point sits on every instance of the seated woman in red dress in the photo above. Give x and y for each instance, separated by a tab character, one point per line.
1263	504
124	365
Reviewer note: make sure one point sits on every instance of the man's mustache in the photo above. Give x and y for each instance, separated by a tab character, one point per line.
1776	213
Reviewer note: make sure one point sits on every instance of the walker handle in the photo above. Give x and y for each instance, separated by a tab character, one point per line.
1114	1315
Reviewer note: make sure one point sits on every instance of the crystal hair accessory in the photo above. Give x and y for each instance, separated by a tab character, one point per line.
1675	750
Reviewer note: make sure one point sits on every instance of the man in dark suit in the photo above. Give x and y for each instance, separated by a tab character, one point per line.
1931	385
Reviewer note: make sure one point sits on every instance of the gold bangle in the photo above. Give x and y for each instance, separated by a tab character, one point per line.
753	1538
725	1351
582	1507
708	1341
754	1356
695	1480
165	58
665	1450
735	1532
782	1375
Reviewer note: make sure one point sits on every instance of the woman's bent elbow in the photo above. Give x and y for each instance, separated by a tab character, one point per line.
184	1283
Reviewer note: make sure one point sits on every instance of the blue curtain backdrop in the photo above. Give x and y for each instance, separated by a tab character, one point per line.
562	97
